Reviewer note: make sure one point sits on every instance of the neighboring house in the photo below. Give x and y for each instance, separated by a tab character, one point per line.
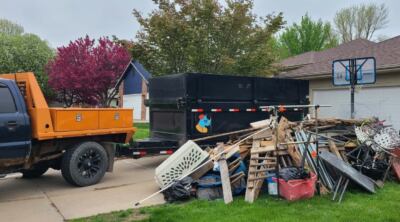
133	90
380	99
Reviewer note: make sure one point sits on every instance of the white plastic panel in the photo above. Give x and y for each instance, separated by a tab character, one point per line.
185	159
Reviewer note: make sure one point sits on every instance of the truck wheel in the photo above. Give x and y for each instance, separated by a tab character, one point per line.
35	172
85	164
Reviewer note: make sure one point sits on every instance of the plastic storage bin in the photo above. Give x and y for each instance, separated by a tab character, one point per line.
297	189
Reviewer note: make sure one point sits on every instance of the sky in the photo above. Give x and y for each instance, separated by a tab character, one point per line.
60	21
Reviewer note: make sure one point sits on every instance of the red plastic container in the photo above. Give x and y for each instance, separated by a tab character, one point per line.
297	189
396	163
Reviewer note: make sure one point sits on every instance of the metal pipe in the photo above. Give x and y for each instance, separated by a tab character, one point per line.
294	106
326	137
298	142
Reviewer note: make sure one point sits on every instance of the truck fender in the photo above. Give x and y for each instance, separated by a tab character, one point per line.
110	149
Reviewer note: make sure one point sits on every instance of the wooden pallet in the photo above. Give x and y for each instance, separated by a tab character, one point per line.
261	163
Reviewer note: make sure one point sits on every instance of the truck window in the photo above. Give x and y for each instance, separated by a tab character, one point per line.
7	104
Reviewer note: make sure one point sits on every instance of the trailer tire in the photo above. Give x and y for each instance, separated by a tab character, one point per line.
85	164
35	172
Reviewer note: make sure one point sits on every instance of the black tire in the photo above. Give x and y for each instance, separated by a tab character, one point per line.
85	164
35	172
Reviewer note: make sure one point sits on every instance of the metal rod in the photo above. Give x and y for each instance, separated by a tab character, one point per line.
337	187
317	148
294	106
344	189
298	142
225	134
303	158
326	137
353	80
276	150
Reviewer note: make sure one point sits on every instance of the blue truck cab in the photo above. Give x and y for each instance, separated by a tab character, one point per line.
15	130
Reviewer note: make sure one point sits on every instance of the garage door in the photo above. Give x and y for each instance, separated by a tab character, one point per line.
134	101
383	102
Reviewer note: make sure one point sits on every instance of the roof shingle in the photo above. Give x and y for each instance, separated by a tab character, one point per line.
309	64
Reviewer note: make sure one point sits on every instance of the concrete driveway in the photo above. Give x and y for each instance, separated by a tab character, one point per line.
50	198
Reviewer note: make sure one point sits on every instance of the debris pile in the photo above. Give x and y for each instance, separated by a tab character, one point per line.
293	160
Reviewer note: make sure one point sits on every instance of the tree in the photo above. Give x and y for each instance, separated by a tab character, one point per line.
381	38
85	72
10	28
204	36
21	52
307	36
361	21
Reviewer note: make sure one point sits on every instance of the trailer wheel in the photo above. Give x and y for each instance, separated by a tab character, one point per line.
85	164
35	172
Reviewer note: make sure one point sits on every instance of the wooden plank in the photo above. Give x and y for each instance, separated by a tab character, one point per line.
258	178
237	177
244	154
233	163
266	143
396	167
292	150
224	171
261	124
263	169
334	150
264	135
232	151
202	170
262	150
269	163
263	158
233	168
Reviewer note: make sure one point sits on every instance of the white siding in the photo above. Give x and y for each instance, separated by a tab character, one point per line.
383	102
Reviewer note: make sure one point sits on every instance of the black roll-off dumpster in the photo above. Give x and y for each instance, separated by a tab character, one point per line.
193	105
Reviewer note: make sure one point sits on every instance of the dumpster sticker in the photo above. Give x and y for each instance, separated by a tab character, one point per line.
203	124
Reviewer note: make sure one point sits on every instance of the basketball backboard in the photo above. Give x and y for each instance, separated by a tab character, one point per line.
365	69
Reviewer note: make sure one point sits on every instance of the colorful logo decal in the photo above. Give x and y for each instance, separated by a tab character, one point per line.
203	124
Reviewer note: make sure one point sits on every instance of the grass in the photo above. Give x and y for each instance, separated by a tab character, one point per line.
142	131
356	206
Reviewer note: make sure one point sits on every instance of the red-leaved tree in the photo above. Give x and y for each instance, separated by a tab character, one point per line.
86	71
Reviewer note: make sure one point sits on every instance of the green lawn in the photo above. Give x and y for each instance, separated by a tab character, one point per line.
142	131
356	206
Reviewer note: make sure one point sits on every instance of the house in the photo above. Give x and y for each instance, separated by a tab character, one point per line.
380	99
132	86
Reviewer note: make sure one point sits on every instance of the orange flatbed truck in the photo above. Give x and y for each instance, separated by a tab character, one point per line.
77	141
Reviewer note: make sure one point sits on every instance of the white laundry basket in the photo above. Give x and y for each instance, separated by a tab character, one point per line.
185	159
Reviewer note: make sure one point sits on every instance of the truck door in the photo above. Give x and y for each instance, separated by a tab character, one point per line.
15	136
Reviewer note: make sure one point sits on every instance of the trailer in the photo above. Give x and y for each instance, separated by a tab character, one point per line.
193	105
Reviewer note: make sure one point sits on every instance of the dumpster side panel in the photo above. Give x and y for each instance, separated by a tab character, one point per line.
193	105
221	122
167	87
225	88
168	124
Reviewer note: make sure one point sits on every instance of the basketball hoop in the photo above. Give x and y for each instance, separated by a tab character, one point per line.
352	72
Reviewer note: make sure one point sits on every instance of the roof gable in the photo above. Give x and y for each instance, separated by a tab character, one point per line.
132	78
387	53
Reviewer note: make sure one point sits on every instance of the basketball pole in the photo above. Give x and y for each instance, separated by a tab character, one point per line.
353	81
